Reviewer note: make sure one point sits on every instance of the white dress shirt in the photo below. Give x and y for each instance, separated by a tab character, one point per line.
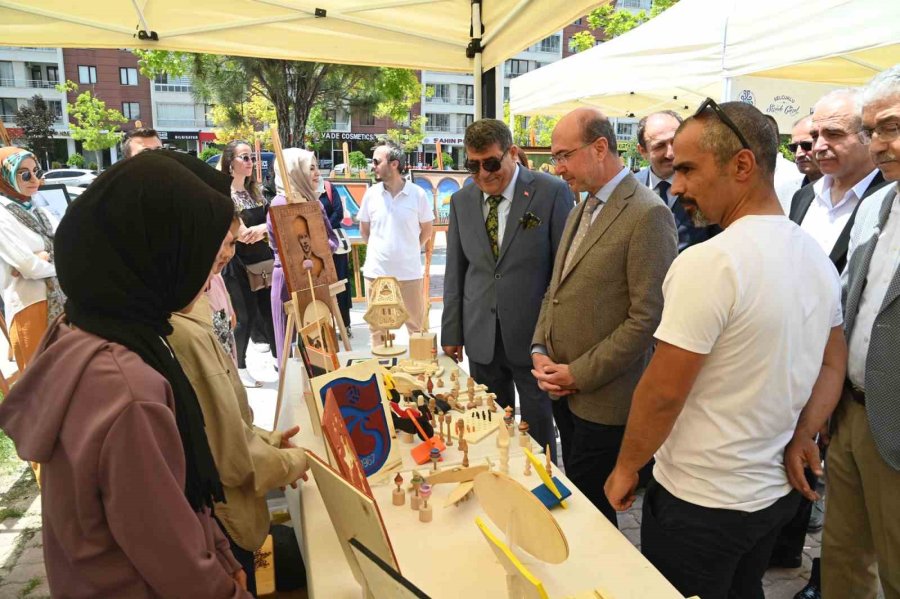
502	208
825	219
606	191
654	184
885	261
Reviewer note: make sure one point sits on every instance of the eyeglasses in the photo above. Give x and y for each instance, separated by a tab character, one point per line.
806	145
561	158
246	157
490	165
710	103
36	172
887	132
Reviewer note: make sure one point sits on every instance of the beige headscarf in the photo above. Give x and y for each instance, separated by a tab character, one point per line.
297	162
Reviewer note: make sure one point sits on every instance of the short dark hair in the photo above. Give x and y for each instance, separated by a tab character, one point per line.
597	126
395	152
718	139
484	133
145	132
772	123
642	124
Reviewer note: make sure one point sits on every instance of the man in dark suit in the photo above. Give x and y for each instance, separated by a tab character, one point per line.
595	333
654	136
501	243
827	208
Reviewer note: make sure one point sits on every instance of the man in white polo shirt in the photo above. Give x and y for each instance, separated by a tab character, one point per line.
750	358
395	221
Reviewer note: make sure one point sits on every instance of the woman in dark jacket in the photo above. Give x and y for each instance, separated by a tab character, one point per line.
334	209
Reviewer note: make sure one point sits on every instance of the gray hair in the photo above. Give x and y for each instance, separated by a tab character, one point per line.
885	84
484	133
719	140
854	94
597	126
395	152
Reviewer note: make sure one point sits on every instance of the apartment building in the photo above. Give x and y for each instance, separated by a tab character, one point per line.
181	121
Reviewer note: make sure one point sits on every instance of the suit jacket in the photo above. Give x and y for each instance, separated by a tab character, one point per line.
882	376
479	290
688	234
600	316
800	205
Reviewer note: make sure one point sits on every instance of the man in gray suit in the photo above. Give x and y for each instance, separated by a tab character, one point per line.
502	240
595	333
862	525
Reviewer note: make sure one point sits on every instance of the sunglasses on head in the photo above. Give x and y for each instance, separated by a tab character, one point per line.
710	103
246	157
36	172
490	165
806	145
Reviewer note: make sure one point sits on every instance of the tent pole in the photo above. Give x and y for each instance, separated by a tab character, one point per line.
474	52
140	15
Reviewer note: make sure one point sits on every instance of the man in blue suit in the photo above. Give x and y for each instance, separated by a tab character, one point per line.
502	241
655	134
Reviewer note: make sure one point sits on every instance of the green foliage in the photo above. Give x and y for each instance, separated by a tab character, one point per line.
614	22
357	160
448	160
248	119
75	161
317	125
30	586
155	62
208	152
522	128
94	125
783	141
56	164
92	166
397	90
36	122
409	137
8	457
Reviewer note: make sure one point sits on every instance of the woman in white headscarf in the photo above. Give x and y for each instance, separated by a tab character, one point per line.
307	184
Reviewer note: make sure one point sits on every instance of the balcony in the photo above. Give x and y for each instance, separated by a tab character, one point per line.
8	118
343	127
172	87
181	123
464	101
438	100
29	83
624	136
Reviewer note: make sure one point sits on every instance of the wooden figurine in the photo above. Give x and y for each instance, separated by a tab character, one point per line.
508	416
435	455
416	501
524	439
425	509
470	387
430	386
454	377
490	402
549	460
399	495
440	431
464	447
503	444
460	431
440	382
449	418
527	468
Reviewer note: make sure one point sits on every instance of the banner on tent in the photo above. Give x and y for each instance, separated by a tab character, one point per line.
785	99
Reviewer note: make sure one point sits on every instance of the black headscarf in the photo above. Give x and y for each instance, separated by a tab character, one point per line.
135	247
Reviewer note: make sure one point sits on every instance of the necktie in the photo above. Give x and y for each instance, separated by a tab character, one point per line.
583	226
492	224
663	190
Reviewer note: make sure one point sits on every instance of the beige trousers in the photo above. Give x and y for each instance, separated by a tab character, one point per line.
414	300
861	541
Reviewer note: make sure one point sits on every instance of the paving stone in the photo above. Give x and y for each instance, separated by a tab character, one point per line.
42	591
22	573
36	541
31	555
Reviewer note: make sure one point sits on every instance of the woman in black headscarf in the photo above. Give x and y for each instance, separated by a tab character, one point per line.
128	478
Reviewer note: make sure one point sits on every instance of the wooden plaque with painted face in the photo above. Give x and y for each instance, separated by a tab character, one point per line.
301	235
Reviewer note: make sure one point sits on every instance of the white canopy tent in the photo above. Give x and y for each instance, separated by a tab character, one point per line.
417	34
778	55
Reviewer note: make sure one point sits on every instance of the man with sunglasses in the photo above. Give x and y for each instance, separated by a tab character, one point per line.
749	362
827	208
395	221
801	147
595	332
503	235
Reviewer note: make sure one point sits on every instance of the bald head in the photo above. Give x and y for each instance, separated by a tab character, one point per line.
584	148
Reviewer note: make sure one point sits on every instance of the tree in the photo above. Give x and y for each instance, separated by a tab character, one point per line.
247	120
410	136
294	88
524	128
614	22
93	124
36	121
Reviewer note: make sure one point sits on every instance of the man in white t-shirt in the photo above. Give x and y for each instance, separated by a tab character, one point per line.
395	221
750	361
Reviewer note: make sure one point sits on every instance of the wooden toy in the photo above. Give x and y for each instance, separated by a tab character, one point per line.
422	345
549	460
481	426
381	578
460	493
425	509
552	492
527	522
386	312
449	418
456	475
422	452
415	501
490	401
435	456
399	495
353	514
406	437
524	439
503	444
520	582
340	445
464	447
527	468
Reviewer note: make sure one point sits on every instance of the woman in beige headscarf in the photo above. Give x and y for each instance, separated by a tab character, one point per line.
306	183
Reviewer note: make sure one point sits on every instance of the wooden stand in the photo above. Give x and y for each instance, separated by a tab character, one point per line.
429	251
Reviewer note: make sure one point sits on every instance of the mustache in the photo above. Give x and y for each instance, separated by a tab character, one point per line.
886	156
825	155
697	217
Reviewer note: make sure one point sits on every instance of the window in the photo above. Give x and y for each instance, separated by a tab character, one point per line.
579	21
463	121
56	107
128	76
36	74
8	109
550	44
131	110
365	117
515	67
6	74
440	93
466	95
506	94
624	128
175	115
53	75
87	74
437	122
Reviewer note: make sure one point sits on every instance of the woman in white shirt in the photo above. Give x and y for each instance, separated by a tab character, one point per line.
31	295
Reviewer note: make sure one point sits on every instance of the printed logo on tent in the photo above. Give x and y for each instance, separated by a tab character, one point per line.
747	97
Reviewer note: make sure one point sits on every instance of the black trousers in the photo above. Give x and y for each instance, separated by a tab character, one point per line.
250	307
792	536
713	553
590	451
342	267
245	558
504	378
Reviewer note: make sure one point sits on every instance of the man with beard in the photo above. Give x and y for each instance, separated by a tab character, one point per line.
801	146
654	136
740	356
827	208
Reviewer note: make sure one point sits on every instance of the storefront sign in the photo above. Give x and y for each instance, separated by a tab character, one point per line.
347	136
179	135
445	141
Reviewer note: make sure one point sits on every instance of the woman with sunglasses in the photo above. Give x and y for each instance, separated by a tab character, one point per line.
252	306
31	294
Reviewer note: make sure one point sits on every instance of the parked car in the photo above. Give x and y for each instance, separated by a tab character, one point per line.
75	177
325	164
341	169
